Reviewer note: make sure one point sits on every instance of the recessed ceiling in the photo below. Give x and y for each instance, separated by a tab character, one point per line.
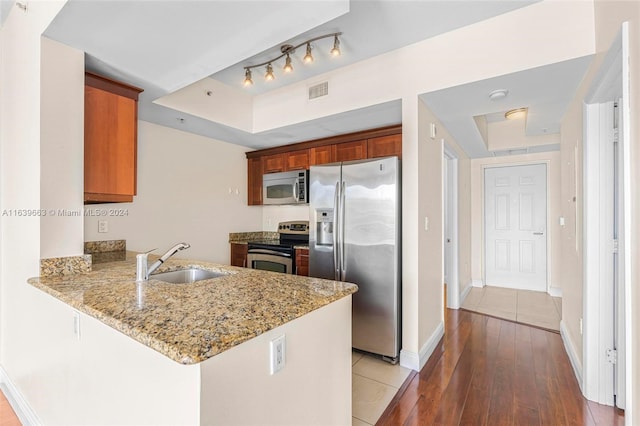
164	46
546	91
371	27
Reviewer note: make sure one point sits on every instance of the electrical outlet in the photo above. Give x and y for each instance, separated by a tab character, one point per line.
103	226
278	351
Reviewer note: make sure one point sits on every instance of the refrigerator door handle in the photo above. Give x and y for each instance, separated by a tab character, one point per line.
343	265
336	258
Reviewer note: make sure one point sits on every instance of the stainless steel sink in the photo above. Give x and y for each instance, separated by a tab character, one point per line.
185	276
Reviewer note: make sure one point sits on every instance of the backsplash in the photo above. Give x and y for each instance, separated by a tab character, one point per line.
56	266
239	237
91	247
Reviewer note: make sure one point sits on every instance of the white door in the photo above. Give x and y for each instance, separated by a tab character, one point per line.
516	227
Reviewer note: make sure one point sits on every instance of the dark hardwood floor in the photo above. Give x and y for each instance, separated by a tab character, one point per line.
487	371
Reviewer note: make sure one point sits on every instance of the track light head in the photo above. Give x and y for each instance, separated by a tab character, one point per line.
287	65
336	47
247	77
269	75
308	58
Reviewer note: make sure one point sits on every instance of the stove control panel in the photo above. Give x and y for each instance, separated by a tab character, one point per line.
299	227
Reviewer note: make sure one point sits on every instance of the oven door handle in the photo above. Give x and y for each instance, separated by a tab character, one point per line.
269	252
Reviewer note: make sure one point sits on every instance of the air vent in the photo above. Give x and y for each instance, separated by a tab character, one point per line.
319	90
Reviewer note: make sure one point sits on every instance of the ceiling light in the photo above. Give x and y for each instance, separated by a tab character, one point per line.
286	50
336	47
496	95
269	75
516	114
308	58
287	65
247	78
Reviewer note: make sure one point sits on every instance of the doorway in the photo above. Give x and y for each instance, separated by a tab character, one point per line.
606	232
450	215
516	227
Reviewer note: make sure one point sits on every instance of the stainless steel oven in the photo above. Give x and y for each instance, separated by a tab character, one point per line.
276	260
278	255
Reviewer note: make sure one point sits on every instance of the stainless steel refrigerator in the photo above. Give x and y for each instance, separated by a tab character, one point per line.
354	236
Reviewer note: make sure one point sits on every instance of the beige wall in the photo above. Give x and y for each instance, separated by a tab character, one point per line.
552	159
61	149
183	195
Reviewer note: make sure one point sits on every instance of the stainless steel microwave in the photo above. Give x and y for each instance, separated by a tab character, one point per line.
286	187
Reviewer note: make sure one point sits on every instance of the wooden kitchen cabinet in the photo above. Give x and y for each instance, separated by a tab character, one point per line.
385	146
373	143
273	163
351	151
322	155
297	160
292	160
239	254
254	182
110	140
302	262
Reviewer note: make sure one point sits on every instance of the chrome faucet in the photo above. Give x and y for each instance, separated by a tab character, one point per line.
143	270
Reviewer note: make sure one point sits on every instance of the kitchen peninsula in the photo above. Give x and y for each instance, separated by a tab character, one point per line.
214	336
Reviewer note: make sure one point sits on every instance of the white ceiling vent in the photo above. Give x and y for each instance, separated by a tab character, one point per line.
319	90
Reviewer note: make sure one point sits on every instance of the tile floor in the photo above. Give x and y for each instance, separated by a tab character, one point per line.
374	384
523	306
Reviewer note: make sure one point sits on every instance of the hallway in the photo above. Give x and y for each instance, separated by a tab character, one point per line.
487	371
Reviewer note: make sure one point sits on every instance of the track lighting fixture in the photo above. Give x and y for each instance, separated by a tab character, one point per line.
286	51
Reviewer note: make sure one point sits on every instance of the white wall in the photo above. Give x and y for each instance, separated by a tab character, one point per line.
183	195
61	149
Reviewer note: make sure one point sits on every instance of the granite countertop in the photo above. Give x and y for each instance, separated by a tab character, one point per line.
190	323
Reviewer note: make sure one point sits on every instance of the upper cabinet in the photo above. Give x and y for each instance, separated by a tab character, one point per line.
322	155
384	146
348	151
382	142
110	140
254	182
296	160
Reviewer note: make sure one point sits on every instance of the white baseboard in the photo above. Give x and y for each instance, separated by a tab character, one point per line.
555	292
477	283
572	353
20	405
465	292
416	361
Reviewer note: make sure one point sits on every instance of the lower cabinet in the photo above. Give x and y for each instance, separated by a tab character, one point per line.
239	254
302	262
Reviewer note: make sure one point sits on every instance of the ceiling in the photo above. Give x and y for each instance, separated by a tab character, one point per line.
163	46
